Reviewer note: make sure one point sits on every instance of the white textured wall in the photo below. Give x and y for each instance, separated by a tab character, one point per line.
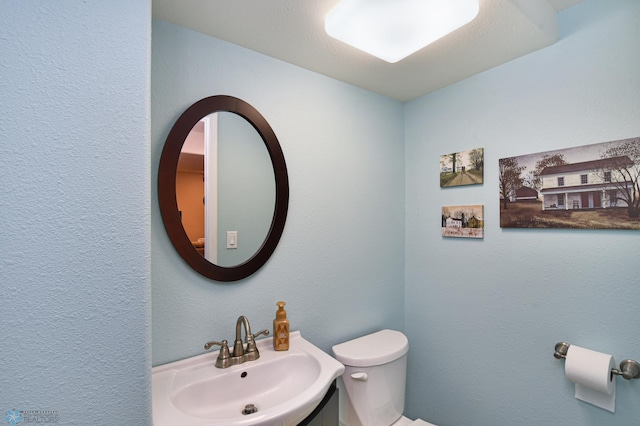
74	209
483	316
340	262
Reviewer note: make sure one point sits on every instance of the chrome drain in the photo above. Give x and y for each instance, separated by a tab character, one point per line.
249	409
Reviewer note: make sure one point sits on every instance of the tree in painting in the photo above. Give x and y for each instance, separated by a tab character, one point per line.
510	178
624	161
453	158
476	158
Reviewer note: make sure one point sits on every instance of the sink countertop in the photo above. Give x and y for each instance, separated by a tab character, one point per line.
286	386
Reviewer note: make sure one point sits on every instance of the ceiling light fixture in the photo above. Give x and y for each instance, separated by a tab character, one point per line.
394	29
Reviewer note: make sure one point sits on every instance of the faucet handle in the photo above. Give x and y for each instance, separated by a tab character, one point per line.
265	332
224	357
251	342
211	344
252	353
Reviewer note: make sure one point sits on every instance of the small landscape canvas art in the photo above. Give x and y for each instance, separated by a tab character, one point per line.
462	168
463	221
587	187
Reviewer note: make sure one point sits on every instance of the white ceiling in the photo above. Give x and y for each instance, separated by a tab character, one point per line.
293	31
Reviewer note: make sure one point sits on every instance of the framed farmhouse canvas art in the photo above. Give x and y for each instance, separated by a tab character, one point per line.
589	187
463	221
462	168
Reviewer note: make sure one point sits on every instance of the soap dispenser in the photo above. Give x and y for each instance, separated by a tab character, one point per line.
281	329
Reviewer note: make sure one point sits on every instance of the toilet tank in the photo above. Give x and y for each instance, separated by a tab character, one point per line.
373	384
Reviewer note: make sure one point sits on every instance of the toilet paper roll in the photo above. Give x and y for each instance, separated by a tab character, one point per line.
591	373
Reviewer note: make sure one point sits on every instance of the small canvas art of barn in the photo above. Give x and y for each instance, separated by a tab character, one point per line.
463	221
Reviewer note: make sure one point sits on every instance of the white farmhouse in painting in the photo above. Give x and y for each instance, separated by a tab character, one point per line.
453	222
588	185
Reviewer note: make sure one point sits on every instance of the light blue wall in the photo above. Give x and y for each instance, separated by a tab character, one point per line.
75	209
483	316
340	262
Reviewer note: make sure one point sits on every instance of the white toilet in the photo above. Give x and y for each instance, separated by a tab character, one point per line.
372	387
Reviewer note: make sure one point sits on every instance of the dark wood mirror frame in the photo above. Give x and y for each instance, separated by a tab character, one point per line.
167	187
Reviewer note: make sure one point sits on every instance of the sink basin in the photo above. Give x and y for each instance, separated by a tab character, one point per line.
284	387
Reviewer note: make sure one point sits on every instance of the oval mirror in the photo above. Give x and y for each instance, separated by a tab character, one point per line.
223	188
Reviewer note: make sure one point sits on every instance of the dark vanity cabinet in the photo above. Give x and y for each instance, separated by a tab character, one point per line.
326	413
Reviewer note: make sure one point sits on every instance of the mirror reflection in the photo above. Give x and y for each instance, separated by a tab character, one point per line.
244	207
225	189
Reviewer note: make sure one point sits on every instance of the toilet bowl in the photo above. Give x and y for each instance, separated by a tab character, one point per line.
372	388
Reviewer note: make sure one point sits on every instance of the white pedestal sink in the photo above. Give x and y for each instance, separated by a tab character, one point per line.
284	387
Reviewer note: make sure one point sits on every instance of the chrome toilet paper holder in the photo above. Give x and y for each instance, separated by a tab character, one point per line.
629	369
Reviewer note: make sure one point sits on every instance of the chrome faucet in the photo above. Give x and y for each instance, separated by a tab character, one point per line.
240	353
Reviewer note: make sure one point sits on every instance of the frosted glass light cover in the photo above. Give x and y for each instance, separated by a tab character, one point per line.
394	29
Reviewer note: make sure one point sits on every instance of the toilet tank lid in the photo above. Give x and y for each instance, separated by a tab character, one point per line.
373	349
